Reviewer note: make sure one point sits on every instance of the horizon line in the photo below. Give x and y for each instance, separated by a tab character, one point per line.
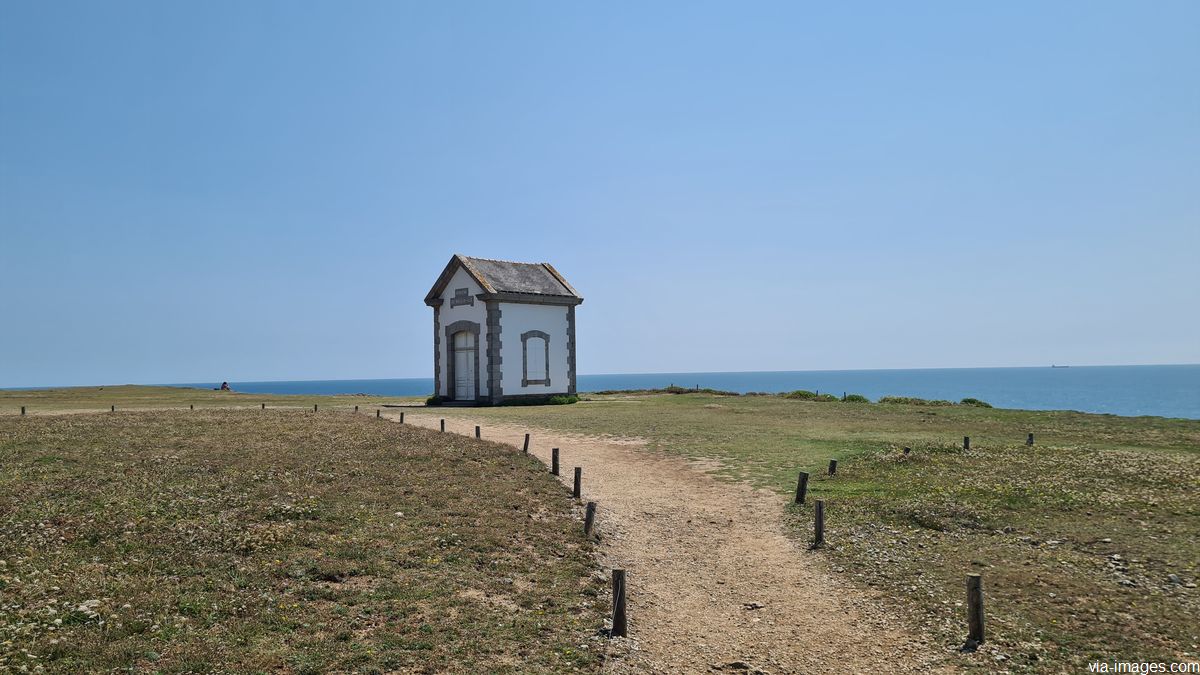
693	372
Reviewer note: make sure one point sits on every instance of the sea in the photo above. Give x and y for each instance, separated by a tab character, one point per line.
1164	391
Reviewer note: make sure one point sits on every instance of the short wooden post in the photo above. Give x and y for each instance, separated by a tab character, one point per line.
589	519
314	407
819	524
1029	440
192	406
379	413
113	409
401	417
476	431
801	487
974	611
907	450
525	448
355	408
443	424
966	442
577	490
264	406
554	461
23	414
832	467
620	627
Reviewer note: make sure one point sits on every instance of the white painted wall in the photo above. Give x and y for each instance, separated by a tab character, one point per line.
477	314
518	318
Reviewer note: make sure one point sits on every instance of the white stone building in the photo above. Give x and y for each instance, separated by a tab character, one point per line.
502	330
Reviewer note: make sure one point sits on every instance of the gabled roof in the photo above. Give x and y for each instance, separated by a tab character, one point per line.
509	281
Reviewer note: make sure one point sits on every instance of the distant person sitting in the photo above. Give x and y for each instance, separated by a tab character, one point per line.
225	386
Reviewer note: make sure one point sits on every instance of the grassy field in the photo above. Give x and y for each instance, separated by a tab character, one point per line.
1088	542
130	397
279	540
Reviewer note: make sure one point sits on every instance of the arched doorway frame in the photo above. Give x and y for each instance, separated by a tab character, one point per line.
451	375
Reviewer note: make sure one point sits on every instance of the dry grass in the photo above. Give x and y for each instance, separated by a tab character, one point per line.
133	397
1086	554
243	540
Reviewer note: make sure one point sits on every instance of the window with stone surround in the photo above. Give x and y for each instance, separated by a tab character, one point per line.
535	358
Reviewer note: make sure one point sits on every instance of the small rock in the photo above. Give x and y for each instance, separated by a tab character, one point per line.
753	605
1174	578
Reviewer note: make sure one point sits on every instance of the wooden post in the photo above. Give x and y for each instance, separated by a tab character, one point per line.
23	414
589	519
966	442
1029	441
525	448
355	408
314	407
476	431
443	424
801	487
264	406
577	490
819	524
620	627
401	417
113	409
974	611
832	467
379	413
192	406
554	461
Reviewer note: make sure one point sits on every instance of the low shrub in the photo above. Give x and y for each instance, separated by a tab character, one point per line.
672	389
698	390
562	400
805	395
911	400
433	400
855	398
975	402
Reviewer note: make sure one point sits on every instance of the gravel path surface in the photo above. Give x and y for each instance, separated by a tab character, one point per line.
714	585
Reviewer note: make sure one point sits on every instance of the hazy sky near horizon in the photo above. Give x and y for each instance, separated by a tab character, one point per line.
266	190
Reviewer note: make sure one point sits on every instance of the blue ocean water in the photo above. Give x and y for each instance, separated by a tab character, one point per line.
1166	391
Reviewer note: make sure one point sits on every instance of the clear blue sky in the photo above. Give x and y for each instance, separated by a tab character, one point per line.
242	191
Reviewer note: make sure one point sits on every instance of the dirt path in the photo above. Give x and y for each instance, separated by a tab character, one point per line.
698	552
